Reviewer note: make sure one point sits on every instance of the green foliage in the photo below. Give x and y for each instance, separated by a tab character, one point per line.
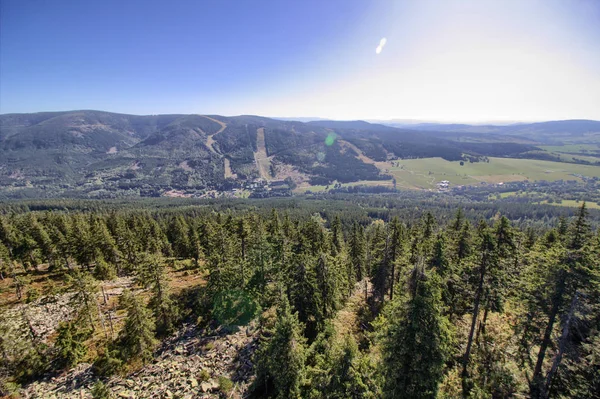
520	291
108	363
84	289
416	341
137	337
225	385
32	295
234	308
70	344
281	361
101	391
337	369
151	273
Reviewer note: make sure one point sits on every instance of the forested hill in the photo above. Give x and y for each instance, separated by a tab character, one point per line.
103	154
200	302
550	132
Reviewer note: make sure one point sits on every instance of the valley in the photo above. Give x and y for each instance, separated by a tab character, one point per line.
93	154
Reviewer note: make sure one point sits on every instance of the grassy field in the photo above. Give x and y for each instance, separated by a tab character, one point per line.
426	172
568	152
305	186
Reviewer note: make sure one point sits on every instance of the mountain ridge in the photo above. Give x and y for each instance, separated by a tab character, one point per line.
105	153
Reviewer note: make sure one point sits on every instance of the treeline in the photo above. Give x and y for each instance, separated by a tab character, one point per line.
460	308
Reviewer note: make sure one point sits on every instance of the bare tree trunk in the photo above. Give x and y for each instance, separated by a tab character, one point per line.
367	271
481	329
101	316
392	280
475	315
561	348
556	301
112	330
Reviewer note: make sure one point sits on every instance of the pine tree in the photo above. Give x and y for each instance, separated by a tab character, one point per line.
281	362
179	237
85	290
40	236
327	278
416	340
70	344
352	376
81	242
101	391
222	260
18	280
357	247
137	336
395	251
463	243
487	264
304	295
105	246
568	280
457	224
151	273
5	261
103	270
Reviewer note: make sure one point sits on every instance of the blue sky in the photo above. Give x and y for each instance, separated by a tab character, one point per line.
480	60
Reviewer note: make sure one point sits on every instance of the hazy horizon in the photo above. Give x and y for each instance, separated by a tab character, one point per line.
399	121
431	61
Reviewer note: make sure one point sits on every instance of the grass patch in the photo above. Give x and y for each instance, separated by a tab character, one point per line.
426	172
225	385
574	204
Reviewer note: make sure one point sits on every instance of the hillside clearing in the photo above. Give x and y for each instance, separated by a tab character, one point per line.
210	144
357	150
263	162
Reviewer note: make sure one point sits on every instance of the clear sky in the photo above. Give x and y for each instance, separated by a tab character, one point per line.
441	60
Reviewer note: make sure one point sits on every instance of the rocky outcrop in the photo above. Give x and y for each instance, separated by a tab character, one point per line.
186	366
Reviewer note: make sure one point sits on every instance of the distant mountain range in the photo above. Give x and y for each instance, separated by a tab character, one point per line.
95	153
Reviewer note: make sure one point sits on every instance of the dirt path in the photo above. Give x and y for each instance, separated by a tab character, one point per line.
263	162
210	142
357	150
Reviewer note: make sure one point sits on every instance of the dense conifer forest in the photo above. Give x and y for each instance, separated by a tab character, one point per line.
339	297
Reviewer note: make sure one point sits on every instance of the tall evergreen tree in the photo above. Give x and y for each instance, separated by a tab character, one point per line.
487	264
281	362
416	340
570	278
70	344
151	273
85	290
137	336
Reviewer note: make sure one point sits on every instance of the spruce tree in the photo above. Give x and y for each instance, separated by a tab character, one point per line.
5	261
70	344
487	265
568	281
137	336
416	340
84	298
281	362
101	391
151	273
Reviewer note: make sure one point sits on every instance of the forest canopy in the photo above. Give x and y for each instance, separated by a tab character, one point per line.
333	299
